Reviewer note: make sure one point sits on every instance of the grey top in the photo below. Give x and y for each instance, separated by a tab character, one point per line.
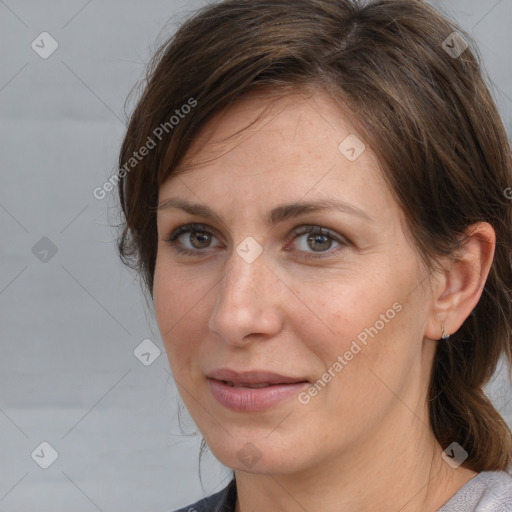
489	491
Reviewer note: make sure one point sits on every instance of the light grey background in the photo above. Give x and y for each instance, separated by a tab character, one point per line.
68	374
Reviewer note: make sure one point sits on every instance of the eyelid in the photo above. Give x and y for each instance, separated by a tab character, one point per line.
184	228
296	233
315	228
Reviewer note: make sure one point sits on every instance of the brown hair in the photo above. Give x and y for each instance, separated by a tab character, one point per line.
428	115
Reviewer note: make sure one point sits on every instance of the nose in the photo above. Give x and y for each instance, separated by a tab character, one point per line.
249	302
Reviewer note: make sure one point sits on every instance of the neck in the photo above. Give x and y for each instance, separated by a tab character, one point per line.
399	468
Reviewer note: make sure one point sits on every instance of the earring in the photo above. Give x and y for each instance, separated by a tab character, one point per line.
443	335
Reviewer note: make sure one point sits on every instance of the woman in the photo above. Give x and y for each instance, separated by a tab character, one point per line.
315	195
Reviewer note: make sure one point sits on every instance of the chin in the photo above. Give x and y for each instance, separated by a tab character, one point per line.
259	451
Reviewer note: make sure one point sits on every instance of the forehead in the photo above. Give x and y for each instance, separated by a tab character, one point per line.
264	150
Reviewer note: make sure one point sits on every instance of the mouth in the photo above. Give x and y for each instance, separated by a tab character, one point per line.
252	386
252	391
252	379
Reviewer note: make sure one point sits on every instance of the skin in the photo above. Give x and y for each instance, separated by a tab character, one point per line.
363	442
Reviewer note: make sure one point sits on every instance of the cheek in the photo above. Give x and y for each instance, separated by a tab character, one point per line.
367	321
164	301
176	293
177	303
378	353
336	312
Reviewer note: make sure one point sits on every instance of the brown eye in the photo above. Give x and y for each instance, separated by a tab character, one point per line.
199	238
319	240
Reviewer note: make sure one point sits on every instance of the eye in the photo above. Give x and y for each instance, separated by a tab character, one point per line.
199	238
319	240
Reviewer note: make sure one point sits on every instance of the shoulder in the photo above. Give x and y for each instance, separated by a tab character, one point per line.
222	501
489	491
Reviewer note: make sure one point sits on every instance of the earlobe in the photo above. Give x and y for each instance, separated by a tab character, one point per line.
459	288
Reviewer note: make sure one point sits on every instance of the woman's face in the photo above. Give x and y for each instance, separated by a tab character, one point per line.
334	320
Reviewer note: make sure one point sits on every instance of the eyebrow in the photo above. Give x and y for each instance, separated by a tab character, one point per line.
278	214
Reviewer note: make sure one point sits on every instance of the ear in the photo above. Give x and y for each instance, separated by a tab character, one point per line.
458	288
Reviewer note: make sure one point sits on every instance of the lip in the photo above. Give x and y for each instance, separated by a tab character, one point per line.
245	399
252	377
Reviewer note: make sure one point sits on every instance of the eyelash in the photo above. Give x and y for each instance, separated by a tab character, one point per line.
309	229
